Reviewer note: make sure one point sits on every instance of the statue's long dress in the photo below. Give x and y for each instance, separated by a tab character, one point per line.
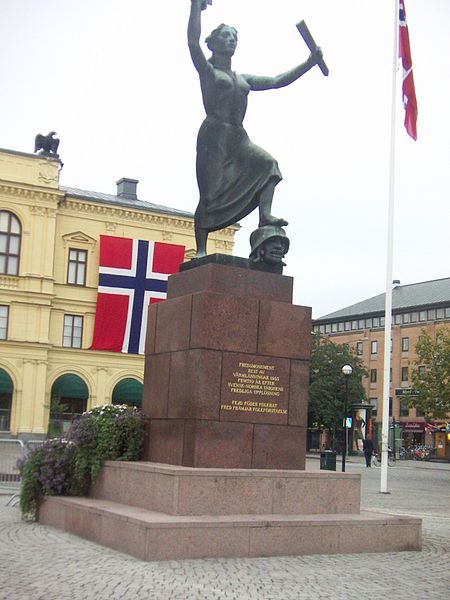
231	170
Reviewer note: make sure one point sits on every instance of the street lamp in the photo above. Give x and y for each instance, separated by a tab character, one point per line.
347	370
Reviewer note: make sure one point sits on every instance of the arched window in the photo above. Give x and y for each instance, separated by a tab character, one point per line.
10	234
128	391
69	398
6	392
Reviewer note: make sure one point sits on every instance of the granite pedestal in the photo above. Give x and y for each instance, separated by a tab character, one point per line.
226	371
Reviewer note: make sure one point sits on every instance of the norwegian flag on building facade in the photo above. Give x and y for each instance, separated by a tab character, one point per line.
408	89
132	275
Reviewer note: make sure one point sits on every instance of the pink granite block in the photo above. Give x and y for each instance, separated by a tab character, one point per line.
52	512
293	540
225	279
284	330
224	322
317	495
196	541
224	495
217	444
165	441
155	398
392	536
123	535
194	388
298	393
173	325
150	337
83	521
279	447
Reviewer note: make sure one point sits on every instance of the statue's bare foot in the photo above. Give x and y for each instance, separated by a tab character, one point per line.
200	254
271	220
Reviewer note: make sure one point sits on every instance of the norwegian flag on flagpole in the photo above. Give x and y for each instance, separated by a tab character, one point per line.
132	275
408	89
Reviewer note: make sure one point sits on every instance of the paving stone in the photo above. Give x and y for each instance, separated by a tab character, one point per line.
40	563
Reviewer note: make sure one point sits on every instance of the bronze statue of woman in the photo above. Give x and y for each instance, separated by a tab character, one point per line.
234	175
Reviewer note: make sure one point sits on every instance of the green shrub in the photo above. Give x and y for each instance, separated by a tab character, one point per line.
69	466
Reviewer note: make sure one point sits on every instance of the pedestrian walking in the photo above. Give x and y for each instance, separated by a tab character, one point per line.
368	450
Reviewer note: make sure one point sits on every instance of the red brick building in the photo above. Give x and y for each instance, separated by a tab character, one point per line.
414	307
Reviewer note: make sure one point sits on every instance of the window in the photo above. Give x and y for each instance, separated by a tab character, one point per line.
373	375
347	326
404	409
328	328
447	313
340	326
374	347
440	313
322	328
10	234
334	327
76	272
398	319
381	321
376	321
414	317
316	329
405	344
4	311
390	407
405	318
73	331
431	314
390	375
354	324
374	403
361	323
423	315
421	371
359	348
369	323
404	373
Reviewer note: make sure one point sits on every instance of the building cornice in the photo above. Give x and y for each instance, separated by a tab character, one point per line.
30	193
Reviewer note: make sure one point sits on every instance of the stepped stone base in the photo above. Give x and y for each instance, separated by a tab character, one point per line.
165	512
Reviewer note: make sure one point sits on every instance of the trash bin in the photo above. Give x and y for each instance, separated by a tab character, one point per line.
328	460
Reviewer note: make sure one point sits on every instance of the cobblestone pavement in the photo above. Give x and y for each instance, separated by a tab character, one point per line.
41	563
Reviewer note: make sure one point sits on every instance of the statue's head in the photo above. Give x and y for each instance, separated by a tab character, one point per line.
223	40
269	244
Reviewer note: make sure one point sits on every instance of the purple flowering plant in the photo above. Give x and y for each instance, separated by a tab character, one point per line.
69	466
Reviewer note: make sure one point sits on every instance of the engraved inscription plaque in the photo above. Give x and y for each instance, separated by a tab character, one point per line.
254	389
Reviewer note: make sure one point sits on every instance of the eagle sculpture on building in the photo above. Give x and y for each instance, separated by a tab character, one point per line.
46	144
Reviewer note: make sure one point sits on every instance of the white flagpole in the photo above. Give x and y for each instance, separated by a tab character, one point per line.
389	268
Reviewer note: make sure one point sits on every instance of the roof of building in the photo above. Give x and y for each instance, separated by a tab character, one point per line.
425	293
125	202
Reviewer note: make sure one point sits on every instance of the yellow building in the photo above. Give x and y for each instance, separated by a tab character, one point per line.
49	256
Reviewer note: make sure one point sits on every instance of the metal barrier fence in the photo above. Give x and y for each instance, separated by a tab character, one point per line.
10	453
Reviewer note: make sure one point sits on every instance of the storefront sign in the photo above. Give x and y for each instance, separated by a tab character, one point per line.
413	425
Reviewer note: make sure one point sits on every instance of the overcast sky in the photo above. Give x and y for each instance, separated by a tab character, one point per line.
115	80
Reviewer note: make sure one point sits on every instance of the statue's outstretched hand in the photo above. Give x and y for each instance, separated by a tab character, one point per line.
316	56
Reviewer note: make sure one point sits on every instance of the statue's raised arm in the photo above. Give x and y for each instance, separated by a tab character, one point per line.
194	33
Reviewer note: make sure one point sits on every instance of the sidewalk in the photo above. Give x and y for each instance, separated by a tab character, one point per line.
416	464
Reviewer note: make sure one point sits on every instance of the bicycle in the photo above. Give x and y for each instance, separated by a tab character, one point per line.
376	459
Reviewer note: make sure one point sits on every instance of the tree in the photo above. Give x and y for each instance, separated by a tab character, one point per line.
327	383
431	374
